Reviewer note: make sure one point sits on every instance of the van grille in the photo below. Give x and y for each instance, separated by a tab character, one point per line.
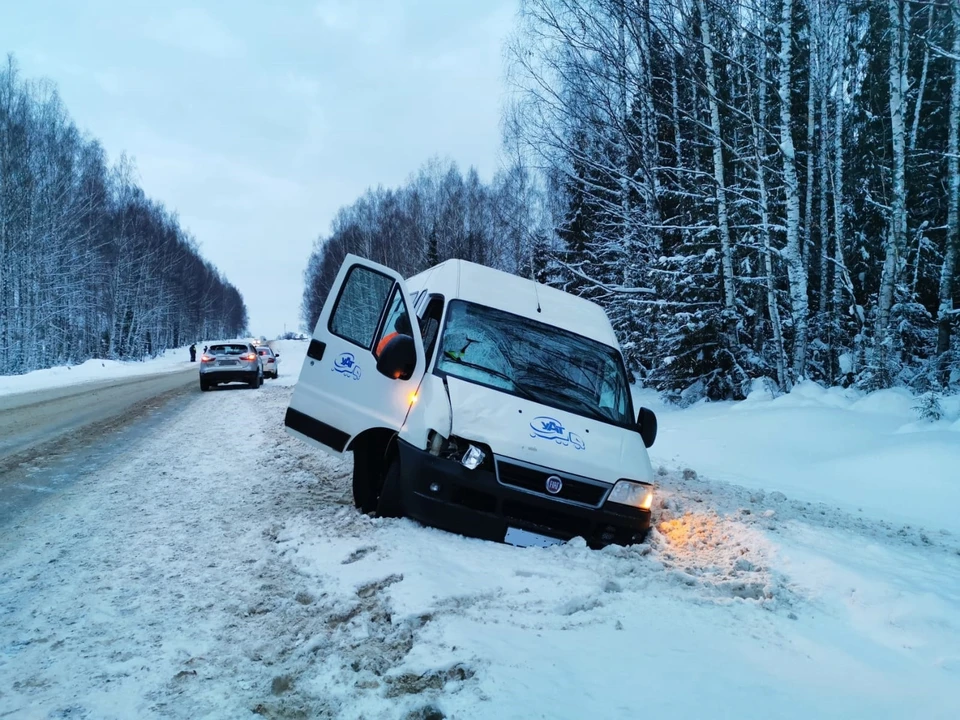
535	480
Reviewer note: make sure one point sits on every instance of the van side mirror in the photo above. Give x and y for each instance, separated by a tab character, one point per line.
647	425
398	359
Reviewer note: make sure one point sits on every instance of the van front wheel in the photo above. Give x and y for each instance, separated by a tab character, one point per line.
389	504
364	479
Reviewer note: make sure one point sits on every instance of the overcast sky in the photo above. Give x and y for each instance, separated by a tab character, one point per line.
256	120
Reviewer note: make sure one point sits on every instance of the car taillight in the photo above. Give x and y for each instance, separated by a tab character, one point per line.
207	358
249	356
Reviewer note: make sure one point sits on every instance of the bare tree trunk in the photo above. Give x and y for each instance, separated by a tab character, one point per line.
823	161
897	236
920	234
792	253
812	85
773	308
839	267
947	272
651	150
675	120
624	111
912	144
726	247
675	109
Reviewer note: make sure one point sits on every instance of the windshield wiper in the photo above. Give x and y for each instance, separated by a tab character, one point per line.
587	407
561	385
562	379
496	373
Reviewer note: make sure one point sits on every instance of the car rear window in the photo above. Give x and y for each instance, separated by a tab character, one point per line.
265	351
228	349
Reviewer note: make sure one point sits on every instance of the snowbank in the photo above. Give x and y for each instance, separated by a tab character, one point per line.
292	354
866	453
92	371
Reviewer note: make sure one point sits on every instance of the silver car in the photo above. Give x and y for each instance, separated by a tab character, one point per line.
230	361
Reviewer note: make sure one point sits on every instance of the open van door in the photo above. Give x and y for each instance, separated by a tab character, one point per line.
364	363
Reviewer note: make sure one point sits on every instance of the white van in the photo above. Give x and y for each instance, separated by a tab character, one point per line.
507	415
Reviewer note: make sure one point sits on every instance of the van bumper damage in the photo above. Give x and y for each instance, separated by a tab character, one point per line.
443	493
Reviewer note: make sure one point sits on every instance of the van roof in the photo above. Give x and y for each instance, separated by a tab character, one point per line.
463	280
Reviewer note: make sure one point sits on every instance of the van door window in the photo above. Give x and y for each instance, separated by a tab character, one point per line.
417	300
360	306
397	322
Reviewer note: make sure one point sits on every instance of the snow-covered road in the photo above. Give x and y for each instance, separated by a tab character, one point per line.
217	569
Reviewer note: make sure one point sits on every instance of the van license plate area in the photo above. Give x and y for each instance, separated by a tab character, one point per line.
525	538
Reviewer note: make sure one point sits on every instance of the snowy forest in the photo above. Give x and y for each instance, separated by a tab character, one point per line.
90	266
752	189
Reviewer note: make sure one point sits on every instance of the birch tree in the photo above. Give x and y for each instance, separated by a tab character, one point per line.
945	310
792	252
723	223
896	235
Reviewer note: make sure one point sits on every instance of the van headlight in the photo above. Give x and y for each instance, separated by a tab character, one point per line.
473	458
635	494
469	454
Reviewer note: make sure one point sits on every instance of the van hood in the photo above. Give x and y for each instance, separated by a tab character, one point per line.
529	431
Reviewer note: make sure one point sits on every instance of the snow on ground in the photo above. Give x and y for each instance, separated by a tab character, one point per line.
92	371
291	353
866	453
219	570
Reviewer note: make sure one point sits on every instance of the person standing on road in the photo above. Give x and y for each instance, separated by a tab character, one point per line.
193	353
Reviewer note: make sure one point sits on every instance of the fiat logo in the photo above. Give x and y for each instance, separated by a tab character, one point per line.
554	484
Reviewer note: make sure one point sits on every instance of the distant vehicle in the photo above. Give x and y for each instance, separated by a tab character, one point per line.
478	402
270	361
230	361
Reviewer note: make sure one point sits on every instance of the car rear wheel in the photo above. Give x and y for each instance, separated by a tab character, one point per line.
255	383
204	385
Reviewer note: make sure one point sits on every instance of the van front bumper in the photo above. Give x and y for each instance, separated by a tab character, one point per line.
474	503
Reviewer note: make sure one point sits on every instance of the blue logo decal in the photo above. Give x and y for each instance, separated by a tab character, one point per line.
548	428
346	364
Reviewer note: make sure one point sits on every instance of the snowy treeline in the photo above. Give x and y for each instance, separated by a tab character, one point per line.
757	188
763	187
89	266
438	214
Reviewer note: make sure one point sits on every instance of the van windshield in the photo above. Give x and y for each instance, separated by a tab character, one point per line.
538	361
